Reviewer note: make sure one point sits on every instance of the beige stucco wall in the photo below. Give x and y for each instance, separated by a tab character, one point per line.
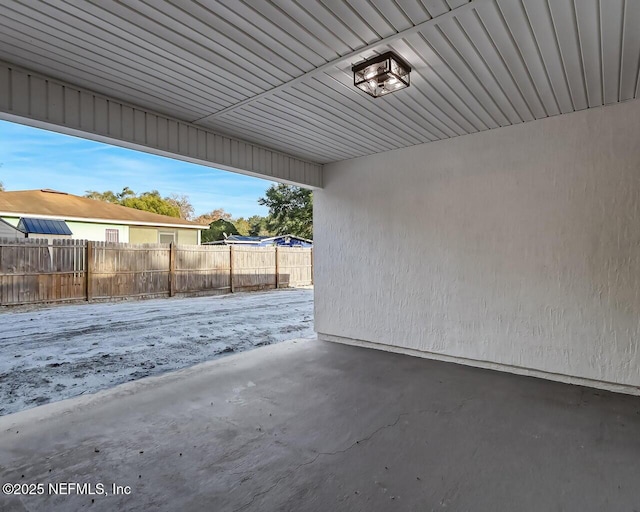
188	236
517	248
143	235
150	235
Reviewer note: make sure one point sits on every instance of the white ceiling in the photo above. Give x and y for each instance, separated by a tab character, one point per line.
277	72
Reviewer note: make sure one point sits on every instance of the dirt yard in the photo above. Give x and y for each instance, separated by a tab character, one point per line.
49	354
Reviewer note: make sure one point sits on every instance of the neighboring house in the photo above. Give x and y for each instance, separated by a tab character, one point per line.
51	214
265	241
9	231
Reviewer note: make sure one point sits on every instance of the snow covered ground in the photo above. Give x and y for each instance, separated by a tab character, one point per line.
63	351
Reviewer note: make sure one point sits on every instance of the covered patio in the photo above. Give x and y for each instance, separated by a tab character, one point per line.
486	215
316	426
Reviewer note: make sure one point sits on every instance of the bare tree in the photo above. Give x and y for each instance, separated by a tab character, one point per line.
183	204
213	216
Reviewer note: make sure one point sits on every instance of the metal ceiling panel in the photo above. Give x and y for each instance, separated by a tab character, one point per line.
277	72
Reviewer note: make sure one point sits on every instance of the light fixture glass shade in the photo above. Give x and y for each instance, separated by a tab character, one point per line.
381	74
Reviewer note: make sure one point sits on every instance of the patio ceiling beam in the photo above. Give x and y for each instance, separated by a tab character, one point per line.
34	99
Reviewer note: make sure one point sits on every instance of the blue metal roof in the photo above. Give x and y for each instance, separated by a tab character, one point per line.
43	226
266	241
292	241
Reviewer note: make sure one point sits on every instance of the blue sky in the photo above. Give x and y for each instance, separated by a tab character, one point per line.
31	158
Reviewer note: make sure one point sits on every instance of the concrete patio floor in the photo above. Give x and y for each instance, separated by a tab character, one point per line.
316	426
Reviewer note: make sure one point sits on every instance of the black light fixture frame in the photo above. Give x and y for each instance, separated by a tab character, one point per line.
385	74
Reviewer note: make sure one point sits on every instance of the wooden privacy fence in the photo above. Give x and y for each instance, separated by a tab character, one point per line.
33	271
38	271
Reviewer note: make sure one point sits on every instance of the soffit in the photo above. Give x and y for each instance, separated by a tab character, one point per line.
277	72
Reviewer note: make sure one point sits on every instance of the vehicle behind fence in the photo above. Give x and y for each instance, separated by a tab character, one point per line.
39	271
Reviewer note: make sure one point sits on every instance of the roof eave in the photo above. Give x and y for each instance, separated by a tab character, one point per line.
103	221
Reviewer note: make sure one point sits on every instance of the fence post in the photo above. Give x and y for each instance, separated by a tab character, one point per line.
172	269
89	270
311	265
231	267
277	270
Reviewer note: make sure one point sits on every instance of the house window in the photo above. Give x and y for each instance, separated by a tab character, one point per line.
112	235
167	238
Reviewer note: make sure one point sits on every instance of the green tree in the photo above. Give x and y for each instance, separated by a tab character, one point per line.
108	196
290	210
217	230
243	226
148	201
258	226
152	202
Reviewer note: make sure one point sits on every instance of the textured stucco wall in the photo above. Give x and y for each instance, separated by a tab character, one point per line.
518	246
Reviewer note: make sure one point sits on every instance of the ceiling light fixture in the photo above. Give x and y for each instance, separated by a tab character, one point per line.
381	74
